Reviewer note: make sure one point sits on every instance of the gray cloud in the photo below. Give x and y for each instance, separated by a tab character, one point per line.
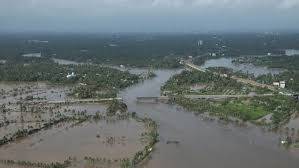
148	15
147	3
289	4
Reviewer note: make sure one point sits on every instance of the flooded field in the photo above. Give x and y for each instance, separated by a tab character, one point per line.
103	139
14	92
198	142
34	129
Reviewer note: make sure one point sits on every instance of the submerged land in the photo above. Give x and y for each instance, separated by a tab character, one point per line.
73	101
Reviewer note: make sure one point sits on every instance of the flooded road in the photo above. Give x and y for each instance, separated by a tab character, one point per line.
204	143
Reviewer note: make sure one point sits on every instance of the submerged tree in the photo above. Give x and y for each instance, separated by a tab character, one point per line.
116	107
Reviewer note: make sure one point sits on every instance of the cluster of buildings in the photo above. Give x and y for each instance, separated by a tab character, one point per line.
70	76
199	43
281	84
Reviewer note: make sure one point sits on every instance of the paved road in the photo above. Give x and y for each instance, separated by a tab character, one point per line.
242	80
224	96
188	64
253	83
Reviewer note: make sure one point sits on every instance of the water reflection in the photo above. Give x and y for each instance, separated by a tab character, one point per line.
246	68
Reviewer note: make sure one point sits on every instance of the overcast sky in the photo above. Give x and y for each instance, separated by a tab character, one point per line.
149	15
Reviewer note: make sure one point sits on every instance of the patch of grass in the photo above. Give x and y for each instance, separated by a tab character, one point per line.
296	145
245	111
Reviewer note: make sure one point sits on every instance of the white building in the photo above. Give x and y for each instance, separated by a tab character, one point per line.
276	84
72	75
200	43
282	84
291	52
82	84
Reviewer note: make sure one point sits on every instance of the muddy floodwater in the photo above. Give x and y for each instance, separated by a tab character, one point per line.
204	143
107	139
86	139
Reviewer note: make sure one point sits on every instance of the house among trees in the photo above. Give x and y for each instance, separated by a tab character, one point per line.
281	84
70	76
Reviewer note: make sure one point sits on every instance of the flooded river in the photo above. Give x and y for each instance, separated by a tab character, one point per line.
204	143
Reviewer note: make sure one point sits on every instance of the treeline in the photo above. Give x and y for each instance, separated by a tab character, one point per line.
160	50
247	109
215	84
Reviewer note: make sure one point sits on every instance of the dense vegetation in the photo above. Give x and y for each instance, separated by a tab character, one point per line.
211	84
282	107
246	108
91	75
158	50
115	107
230	72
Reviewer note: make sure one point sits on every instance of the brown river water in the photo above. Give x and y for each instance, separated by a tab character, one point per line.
205	144
202	144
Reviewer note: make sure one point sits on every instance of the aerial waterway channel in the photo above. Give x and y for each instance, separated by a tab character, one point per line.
207	144
203	143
